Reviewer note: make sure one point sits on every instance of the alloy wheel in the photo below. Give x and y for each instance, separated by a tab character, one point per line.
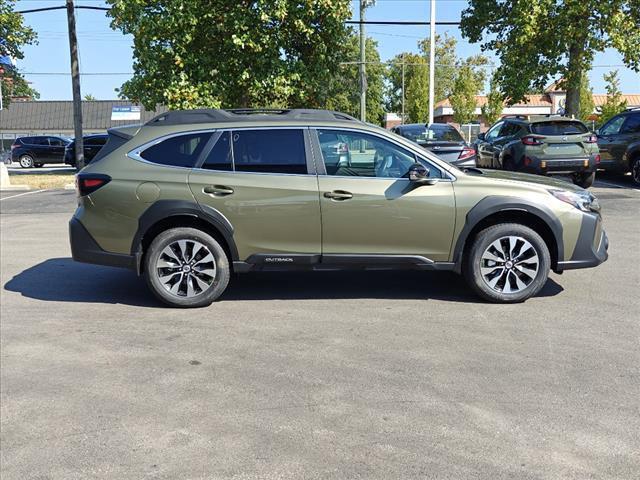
509	264
186	268
26	161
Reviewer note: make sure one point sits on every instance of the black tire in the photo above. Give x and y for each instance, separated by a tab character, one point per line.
635	170
482	246
584	180
26	161
220	278
39	165
508	165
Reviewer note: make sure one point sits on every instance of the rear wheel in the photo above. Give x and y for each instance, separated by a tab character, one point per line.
26	161
186	267
507	263
584	180
635	170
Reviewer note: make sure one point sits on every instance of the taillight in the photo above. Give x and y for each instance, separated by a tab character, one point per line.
14	146
87	183
597	159
466	152
531	140
591	139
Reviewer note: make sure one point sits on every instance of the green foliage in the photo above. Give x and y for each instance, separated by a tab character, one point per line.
248	53
492	110
417	76
463	96
537	40
15	35
614	104
89	98
344	92
586	99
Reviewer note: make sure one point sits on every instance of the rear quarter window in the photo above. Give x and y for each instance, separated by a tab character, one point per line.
558	128
178	151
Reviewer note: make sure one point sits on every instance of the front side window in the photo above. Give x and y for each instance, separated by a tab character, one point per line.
508	129
613	126
492	134
269	151
178	151
358	154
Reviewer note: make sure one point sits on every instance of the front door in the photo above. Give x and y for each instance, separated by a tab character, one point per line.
56	150
486	148
369	206
263	181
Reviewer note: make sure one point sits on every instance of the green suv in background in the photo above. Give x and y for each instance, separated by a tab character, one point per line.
544	145
619	143
192	196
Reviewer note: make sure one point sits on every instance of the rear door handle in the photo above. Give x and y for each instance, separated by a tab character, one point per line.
338	195
218	190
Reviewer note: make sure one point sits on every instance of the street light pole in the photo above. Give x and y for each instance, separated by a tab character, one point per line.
75	86
402	118
432	58
363	73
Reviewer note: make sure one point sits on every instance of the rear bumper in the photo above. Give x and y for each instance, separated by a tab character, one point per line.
86	250
560	165
466	163
591	248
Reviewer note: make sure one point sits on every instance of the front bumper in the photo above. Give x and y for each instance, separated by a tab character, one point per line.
85	249
591	247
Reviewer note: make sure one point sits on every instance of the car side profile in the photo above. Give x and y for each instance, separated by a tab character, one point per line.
36	151
619	143
193	196
542	145
92	144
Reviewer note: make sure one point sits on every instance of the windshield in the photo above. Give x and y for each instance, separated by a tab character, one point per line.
558	127
435	133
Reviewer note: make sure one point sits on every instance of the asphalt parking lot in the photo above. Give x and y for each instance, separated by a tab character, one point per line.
315	375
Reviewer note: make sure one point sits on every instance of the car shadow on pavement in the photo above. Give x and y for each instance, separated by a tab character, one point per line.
63	280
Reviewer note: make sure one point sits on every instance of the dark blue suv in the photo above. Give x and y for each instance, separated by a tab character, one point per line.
36	151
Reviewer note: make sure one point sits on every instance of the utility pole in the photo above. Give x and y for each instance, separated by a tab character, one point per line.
363	72
75	85
402	117
432	58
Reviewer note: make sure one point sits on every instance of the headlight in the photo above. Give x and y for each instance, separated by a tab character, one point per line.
584	200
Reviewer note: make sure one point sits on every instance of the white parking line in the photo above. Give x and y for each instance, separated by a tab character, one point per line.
21	194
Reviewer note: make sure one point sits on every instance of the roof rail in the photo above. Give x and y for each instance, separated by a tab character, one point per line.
522	117
632	109
204	115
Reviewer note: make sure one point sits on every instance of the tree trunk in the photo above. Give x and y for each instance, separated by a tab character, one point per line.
573	79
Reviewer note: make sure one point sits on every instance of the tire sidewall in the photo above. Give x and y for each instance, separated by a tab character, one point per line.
29	163
481	243
169	236
635	171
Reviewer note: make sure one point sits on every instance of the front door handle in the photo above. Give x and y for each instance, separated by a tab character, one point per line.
218	190
338	195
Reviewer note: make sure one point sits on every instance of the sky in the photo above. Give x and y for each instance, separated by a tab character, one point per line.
108	52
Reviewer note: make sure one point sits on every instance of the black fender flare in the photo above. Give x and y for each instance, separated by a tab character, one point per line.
163	209
494	204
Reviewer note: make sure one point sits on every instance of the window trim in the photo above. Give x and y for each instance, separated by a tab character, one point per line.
445	175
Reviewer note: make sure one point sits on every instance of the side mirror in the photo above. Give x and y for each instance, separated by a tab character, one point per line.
419	175
481	136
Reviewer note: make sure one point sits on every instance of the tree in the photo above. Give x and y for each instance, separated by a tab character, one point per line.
538	40
614	103
492	110
344	92
278	53
89	98
463	96
14	35
586	98
417	92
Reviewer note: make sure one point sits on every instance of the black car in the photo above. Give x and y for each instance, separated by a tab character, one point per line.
619	143
36	151
442	139
92	145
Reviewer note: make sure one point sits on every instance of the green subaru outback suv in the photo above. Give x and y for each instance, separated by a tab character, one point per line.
192	196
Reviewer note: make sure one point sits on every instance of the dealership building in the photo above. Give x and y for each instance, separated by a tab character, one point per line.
26	118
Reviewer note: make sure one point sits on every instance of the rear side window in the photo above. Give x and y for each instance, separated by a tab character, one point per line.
219	158
558	128
178	151
269	151
632	124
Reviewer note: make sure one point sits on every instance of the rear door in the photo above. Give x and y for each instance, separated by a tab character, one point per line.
369	206
263	181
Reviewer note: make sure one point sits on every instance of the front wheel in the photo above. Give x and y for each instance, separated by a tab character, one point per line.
26	161
584	180
186	267
635	171
507	263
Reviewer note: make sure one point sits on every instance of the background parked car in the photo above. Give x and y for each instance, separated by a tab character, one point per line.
36	151
544	145
442	139
92	145
619	144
